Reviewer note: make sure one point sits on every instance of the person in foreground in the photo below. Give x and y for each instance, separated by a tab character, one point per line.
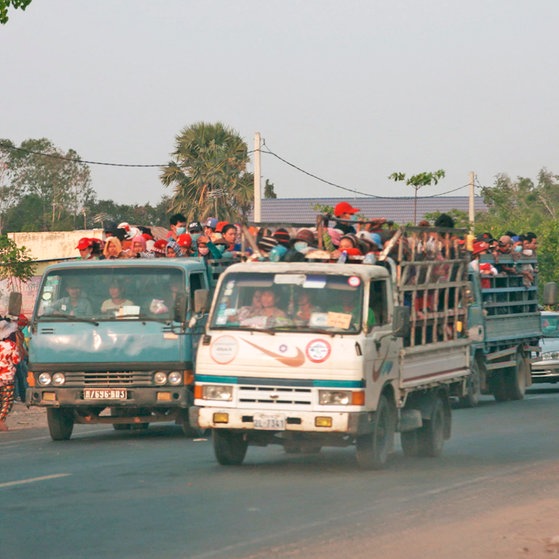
9	358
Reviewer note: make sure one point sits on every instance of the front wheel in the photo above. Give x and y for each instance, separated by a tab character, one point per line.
61	423
373	448
230	448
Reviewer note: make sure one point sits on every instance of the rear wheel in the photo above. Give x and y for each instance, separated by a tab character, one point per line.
230	448
373	448
498	386
61	423
121	426
431	435
515	378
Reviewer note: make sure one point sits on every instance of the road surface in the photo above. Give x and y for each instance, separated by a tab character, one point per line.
493	494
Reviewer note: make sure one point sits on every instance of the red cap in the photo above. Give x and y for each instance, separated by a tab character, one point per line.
345	208
160	246
22	321
220	225
480	246
184	240
84	243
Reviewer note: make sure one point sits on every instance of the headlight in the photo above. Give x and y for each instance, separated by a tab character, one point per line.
175	377
58	379
45	379
160	377
334	397
217	392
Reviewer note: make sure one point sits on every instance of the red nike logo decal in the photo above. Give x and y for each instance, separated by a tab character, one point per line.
295	361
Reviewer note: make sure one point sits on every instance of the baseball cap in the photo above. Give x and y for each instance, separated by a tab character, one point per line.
211	222
84	243
345	208
195	227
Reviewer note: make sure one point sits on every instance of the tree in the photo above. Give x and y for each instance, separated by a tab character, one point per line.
521	206
269	192
417	182
5	4
208	173
15	262
59	180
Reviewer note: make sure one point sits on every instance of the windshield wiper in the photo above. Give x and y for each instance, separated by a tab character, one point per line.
69	318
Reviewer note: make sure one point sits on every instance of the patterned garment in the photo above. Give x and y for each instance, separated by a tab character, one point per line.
6	400
9	358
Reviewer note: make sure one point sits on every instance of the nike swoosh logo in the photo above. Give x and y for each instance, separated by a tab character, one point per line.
295	361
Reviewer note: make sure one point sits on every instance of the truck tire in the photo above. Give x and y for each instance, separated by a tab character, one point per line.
230	448
515	378
473	386
61	423
121	426
373	448
431	436
498	386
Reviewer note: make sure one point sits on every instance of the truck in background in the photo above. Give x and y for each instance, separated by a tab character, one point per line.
382	350
504	325
128	363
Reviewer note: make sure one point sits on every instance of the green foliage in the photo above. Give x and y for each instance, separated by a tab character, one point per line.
59	181
323	209
269	190
419	180
15	261
208	173
5	4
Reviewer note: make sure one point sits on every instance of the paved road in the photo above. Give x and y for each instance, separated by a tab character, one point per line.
493	493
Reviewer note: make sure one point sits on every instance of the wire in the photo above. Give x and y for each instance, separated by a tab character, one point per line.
266	151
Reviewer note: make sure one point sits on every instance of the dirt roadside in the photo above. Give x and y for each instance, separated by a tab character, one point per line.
22	417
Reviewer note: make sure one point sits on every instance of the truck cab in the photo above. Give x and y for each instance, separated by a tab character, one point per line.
114	341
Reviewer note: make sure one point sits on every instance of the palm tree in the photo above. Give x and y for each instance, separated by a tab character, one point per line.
208	173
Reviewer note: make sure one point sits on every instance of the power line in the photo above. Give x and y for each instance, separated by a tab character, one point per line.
266	151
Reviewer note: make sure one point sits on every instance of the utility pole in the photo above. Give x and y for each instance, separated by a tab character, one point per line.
471	203
257	190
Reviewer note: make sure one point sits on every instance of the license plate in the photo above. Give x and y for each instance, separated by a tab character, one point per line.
104	394
269	422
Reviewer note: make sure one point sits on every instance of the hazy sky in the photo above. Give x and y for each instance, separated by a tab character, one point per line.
348	90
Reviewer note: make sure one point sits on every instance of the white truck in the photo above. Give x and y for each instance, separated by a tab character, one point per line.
381	349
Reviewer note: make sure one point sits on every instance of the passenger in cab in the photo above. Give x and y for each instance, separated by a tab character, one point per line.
116	301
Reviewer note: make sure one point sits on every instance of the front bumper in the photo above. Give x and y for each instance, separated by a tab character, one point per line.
146	397
545	371
347	423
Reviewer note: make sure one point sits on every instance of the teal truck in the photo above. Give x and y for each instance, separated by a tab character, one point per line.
504	326
114	341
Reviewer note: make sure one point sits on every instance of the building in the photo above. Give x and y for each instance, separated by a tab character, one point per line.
399	210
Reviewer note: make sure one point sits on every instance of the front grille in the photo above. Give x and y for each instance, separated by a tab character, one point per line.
109	378
275	395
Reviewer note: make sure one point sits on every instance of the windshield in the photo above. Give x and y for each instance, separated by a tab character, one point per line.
550	325
156	293
289	302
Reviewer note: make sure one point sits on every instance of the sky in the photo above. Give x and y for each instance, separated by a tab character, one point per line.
349	91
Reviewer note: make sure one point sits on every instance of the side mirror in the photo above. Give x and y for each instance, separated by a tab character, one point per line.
14	304
201	298
401	322
550	293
